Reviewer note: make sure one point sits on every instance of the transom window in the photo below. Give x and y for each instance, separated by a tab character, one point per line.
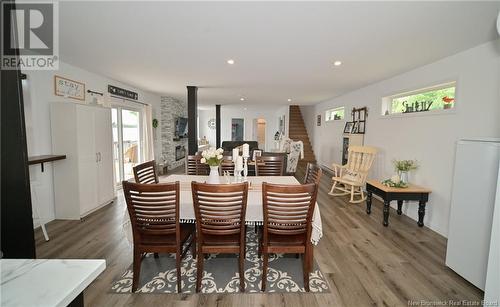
334	114
440	97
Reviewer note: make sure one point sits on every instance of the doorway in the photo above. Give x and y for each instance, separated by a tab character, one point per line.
259	132
126	125
237	129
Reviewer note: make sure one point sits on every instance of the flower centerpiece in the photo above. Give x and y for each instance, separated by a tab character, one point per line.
212	157
394	182
403	167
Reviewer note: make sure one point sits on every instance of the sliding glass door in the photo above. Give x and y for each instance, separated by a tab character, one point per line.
126	141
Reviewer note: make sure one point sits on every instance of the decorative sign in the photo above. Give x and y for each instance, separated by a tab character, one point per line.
69	88
113	90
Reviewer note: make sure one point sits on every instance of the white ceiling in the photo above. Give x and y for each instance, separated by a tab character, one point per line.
281	49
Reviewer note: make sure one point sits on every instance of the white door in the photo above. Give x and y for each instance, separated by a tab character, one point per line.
104	140
87	158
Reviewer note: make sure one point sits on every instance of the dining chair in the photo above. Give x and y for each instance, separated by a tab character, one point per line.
154	215
313	173
220	222
145	173
226	165
288	211
195	167
269	165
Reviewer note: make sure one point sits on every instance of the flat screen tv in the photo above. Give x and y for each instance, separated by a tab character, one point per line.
181	127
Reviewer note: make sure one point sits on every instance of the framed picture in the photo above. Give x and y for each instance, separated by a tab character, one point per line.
348	127
318	120
361	127
256	153
355	127
69	88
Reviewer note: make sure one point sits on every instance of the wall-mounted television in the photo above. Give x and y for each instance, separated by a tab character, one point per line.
181	128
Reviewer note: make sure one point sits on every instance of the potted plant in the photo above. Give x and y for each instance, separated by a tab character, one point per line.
403	167
448	102
212	157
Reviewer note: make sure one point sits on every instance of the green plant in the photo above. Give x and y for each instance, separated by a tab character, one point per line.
405	165
155	123
395	182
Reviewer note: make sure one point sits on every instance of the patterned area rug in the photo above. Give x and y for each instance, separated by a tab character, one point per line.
158	275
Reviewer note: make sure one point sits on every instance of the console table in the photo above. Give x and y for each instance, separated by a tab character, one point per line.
388	194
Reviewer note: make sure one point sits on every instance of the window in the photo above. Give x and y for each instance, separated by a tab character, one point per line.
440	97
334	114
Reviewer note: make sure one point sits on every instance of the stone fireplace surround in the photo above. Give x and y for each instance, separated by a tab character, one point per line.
171	108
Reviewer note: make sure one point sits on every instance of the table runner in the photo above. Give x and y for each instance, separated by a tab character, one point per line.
254	212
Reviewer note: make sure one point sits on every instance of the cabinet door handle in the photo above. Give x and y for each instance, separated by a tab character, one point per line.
100	157
96	157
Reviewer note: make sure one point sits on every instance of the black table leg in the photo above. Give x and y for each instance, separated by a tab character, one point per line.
386	212
400	206
368	202
421	213
78	301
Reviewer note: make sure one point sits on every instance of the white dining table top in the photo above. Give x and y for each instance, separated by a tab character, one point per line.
45	282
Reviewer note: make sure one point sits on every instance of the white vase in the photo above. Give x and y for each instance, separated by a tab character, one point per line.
403	176
213	177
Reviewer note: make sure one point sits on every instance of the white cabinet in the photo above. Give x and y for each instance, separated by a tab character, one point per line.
471	212
84	181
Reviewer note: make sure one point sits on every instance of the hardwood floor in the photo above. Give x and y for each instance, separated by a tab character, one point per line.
364	262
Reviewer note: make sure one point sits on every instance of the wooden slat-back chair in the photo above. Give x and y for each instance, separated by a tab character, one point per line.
351	177
154	215
220	222
313	173
145	173
288	211
195	167
269	165
227	165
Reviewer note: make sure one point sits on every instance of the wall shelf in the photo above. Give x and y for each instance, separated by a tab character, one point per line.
44	158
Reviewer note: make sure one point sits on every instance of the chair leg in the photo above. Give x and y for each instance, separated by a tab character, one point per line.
193	246
242	267
352	193
333	187
156	255
178	265
264	271
307	267
137	269
199	270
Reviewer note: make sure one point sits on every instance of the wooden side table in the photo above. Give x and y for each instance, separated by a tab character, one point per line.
388	194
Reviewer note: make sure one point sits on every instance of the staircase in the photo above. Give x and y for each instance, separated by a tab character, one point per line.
297	131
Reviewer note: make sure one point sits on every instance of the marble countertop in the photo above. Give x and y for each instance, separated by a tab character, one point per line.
45	282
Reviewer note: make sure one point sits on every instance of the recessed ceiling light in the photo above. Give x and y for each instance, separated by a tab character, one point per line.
230	61
337	63
289	99
242	99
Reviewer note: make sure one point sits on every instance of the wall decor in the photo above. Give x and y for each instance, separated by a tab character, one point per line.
117	91
211	123
318	120
348	127
282	124
69	88
359	116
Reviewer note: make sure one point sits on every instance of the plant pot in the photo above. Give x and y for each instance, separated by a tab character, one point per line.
213	177
447	106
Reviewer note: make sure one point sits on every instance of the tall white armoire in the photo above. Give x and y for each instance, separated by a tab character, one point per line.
84	181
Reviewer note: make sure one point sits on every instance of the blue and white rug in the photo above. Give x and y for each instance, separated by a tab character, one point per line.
158	275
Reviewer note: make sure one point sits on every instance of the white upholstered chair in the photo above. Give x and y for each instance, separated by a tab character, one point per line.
351	177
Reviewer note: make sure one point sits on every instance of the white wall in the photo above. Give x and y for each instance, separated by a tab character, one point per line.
270	113
429	138
38	94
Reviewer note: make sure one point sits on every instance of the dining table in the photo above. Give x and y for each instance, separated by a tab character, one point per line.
254	212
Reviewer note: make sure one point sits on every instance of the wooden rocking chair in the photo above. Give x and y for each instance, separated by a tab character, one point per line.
351	177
